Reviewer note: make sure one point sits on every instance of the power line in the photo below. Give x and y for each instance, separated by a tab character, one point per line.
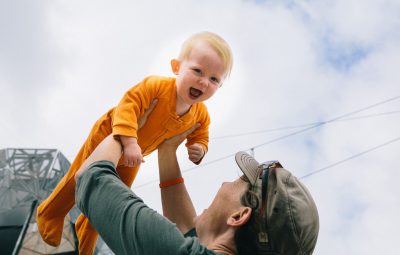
302	125
300	131
329	121
318	170
341	117
349	158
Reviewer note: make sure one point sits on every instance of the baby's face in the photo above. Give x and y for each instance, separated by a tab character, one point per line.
200	75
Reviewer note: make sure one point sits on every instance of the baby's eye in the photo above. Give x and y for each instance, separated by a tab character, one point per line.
215	80
196	70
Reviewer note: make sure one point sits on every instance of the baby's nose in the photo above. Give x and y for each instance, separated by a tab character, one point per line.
204	83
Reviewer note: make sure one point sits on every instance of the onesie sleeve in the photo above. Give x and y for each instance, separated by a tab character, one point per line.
132	106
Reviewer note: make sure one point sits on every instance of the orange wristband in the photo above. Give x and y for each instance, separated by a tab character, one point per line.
172	182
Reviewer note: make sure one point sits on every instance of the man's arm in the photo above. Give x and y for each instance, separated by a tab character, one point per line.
119	216
109	149
176	202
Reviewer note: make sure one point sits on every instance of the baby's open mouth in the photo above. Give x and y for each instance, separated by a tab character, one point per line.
195	92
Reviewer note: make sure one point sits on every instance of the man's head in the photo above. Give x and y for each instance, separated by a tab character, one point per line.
284	217
201	68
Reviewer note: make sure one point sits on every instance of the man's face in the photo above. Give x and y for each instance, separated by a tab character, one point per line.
200	75
225	203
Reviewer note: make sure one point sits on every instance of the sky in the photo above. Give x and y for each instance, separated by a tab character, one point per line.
296	64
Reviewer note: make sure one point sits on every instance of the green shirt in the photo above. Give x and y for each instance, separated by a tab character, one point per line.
125	223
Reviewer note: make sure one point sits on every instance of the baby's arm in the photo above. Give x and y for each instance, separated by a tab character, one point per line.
132	107
131	115
196	152
197	142
132	151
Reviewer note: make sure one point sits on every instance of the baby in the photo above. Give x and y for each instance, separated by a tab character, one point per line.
203	64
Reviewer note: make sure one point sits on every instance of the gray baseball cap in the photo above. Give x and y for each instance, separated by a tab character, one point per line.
290	216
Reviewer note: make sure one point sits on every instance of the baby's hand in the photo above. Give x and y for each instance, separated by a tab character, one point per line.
133	155
196	152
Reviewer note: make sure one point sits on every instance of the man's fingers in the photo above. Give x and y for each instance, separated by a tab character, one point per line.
152	105
142	120
182	136
190	130
176	140
151	108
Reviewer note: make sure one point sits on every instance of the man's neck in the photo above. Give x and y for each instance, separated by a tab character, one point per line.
227	250
223	244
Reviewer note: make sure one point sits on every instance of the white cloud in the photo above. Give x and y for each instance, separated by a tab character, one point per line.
64	63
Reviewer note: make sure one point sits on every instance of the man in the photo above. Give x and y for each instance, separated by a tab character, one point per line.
266	211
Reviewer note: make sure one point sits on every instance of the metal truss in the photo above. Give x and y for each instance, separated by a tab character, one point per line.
27	175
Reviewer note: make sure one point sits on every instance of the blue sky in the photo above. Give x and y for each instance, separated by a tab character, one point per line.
64	63
343	58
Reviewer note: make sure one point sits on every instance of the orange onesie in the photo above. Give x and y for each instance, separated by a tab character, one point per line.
161	124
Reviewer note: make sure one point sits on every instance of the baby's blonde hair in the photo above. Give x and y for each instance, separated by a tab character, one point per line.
216	42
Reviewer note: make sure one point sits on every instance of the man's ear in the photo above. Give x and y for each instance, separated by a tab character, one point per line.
175	64
240	217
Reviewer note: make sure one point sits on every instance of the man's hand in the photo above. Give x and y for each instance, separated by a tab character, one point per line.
196	152
176	140
142	120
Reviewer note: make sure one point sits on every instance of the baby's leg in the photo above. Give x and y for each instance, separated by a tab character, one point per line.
86	234
51	212
127	174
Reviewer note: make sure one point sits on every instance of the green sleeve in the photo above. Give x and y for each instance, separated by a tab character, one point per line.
124	222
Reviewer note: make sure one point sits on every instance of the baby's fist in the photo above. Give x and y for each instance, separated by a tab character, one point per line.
196	152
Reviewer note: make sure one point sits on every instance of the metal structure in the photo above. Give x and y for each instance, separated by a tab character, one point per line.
29	174
27	177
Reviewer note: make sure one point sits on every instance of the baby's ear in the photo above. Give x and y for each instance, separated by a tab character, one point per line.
175	64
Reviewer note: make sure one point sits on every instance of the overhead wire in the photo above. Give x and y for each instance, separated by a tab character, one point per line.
349	158
329	121
299	131
320	169
301	125
317	124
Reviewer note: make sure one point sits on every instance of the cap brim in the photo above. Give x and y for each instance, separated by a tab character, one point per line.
248	165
